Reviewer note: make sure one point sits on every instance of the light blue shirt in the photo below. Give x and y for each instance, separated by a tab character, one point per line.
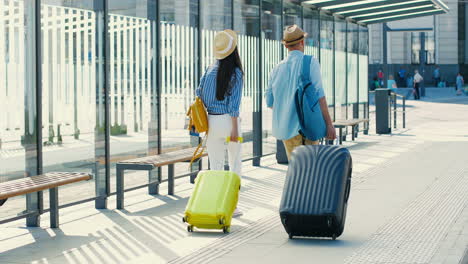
231	103
282	86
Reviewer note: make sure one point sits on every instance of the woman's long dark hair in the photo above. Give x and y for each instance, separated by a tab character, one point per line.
224	78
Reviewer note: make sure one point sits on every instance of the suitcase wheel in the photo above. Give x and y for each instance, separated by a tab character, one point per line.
334	237
226	229
190	228
183	220
290	236
221	221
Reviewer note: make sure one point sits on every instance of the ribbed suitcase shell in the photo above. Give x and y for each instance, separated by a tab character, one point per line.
214	198
316	191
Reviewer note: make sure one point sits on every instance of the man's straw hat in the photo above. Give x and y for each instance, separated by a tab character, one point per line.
292	35
225	42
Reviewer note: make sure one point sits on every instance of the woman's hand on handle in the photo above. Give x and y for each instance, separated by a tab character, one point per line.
234	130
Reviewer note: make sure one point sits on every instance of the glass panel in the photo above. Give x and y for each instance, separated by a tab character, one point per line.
292	13
326	58
246	23
363	71
311	26
18	146
415	47
272	55
133	90
216	14
430	47
340	69
363	68
72	108
352	70
179	69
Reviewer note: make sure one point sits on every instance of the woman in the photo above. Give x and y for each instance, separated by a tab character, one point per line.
459	83
221	91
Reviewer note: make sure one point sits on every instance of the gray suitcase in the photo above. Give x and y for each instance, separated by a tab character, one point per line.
316	191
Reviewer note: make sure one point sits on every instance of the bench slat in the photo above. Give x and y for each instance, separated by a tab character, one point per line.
40	182
165	158
350	122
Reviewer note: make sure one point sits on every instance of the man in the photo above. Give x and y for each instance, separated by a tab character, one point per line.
284	79
417	82
436	76
402	74
380	74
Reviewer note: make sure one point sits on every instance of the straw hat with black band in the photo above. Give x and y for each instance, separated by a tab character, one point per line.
225	42
293	35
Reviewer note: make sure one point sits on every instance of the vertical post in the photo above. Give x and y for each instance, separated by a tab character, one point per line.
103	183
120	187
257	109
54	213
33	121
356	109
153	182
333	72
422	62
394	111
404	112
170	179
196	166
154	127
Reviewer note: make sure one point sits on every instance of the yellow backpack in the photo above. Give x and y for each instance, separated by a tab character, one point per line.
198	122
198	118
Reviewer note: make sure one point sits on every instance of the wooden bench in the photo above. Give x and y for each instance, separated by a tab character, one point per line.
148	164
353	123
51	181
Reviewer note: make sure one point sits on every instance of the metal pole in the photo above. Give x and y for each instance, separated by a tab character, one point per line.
404	112
394	111
103	185
33	140
257	110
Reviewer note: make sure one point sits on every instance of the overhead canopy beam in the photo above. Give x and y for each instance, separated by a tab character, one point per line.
388	19
384	8
369	11
389	14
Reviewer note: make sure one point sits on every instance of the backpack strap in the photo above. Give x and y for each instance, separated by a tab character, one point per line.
306	60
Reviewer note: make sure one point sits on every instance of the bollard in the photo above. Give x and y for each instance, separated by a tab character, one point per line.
382	111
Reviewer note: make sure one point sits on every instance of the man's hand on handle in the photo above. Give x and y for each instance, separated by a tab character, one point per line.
331	133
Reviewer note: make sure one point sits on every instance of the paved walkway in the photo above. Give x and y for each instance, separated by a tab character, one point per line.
408	204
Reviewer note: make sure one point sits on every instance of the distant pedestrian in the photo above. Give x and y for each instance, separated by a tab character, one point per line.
402	75
375	84
381	76
391	84
459	84
417	83
436	75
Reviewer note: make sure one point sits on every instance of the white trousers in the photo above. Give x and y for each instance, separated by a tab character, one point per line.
219	129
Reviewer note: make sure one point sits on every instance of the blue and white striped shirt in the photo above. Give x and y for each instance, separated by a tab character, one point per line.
231	103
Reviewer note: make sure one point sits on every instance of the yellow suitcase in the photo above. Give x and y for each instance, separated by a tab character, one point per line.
213	201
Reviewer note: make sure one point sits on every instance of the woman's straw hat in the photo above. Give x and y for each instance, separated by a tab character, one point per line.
225	42
292	35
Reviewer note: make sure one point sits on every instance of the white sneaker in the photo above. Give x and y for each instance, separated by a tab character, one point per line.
237	213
